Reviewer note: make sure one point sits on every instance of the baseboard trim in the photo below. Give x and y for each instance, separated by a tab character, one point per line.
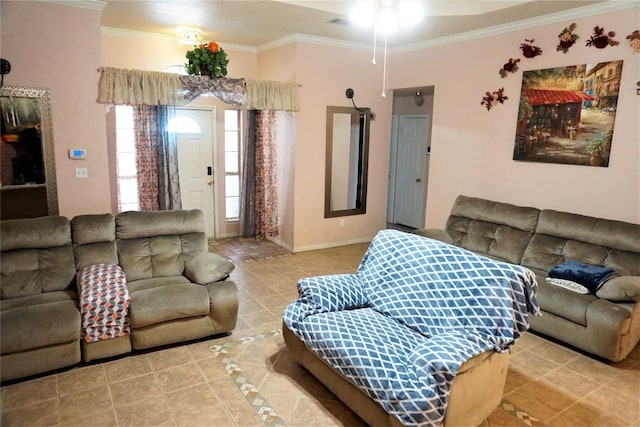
331	244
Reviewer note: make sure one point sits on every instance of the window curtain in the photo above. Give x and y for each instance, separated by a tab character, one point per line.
259	200
145	129
168	179
266	206
247	220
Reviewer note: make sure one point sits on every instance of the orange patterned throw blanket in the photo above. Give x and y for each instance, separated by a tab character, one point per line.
104	302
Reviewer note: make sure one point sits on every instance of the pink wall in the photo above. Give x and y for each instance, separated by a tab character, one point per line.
122	51
42	55
325	73
472	148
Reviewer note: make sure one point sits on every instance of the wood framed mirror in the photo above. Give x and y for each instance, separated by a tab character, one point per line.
347	156
28	175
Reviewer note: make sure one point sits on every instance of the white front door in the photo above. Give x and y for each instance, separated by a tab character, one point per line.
412	162
196	162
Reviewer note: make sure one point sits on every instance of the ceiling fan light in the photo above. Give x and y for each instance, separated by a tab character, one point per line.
363	14
387	21
410	13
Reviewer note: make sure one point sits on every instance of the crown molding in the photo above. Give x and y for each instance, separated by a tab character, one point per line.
596	9
318	40
121	32
83	4
599	8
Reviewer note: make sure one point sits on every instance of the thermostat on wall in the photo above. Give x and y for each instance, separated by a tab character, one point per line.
77	153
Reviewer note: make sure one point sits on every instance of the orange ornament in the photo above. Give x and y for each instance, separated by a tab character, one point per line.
213	47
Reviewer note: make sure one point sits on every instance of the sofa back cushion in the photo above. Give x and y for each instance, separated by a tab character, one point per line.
36	256
94	240
499	230
157	244
562	236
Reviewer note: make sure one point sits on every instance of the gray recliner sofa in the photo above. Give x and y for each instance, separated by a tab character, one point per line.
175	289
607	323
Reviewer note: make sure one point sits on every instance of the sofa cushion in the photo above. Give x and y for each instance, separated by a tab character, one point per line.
36	256
564	303
499	230
39	325
623	288
93	228
207	268
94	239
131	225
147	257
31	271
34	233
561	236
154	282
164	303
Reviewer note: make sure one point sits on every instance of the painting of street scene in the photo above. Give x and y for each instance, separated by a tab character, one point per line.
566	114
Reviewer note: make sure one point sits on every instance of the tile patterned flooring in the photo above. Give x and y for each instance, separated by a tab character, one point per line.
249	379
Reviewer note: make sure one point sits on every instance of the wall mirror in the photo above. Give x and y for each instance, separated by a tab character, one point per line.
27	174
347	155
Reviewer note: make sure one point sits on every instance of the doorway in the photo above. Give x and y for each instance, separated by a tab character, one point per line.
410	157
195	134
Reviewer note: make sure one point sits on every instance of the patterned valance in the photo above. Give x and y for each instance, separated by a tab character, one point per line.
137	87
230	91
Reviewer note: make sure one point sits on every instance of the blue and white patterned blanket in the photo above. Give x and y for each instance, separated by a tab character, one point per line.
415	310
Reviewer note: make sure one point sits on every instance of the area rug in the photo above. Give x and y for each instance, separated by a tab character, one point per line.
282	393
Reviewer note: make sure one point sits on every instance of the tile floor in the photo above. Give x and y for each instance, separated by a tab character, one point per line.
193	385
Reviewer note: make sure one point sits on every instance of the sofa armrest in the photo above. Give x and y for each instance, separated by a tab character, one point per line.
207	268
435	233
324	294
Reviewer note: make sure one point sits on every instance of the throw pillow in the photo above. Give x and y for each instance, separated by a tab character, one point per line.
567	284
207	268
623	288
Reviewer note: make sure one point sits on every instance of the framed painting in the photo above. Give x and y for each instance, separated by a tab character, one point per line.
566	114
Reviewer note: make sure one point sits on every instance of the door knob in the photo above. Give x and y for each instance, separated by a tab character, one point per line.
418	180
210	182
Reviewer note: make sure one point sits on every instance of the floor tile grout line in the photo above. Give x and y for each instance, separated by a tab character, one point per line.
262	407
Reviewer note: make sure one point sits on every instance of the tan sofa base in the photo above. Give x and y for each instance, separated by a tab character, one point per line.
475	392
105	348
35	361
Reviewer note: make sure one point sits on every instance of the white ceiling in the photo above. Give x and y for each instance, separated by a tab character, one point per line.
261	23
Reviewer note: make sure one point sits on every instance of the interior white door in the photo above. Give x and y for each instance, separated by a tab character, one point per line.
196	162
412	162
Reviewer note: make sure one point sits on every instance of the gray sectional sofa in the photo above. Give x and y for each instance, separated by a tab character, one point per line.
605	324
175	289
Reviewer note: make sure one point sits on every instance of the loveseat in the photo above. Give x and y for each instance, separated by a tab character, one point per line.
605	323
419	335
101	285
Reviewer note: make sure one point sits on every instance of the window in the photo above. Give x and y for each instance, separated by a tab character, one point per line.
232	164
126	160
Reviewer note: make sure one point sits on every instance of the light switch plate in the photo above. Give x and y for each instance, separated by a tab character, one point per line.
82	173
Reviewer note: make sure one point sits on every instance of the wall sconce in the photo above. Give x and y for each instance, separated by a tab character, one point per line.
190	36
